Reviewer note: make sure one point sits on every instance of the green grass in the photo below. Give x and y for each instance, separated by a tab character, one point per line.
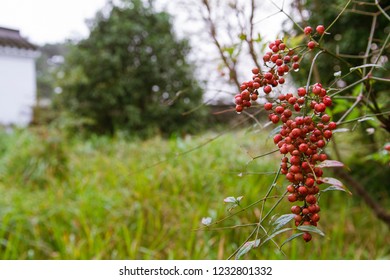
143	199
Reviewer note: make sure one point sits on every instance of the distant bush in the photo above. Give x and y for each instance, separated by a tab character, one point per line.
132	74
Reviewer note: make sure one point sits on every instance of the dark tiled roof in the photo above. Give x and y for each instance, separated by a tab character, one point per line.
12	38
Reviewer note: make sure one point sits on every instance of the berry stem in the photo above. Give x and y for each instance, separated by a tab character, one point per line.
309	78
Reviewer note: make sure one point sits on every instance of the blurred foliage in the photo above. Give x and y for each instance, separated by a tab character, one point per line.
144	199
132	74
33	158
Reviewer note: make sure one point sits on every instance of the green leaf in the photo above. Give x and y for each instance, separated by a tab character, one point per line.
247	247
242	36
206	221
339	130
366	119
335	185
230	199
291	238
337	188
275	234
332	181
330	163
282	221
311	229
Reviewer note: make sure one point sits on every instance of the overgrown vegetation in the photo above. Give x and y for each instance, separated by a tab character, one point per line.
144	200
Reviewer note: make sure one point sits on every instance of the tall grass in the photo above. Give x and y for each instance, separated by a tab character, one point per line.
144	199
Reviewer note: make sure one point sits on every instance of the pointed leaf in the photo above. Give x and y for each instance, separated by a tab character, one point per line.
247	247
230	199
206	221
311	229
282	221
330	163
337	74
275	234
337	188
291	238
341	130
366	119
332	181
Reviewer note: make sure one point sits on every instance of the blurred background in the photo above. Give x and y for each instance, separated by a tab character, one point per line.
119	132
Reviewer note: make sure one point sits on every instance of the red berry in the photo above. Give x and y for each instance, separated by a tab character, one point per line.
291	189
287	59
325	118
332	125
239	108
320	29
311	199
296	209
275	119
320	107
295	160
302	190
268	106
279	110
309	182
311	45
287	113
267	89
307	30
315	217
301	91
327	134
305	211
327	101
303	147
292	197
277	138
306	236
256	71
298	218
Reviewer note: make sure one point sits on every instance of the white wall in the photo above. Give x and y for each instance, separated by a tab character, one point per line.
17	89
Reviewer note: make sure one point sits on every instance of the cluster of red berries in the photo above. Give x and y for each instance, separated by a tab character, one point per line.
308	30
279	61
301	140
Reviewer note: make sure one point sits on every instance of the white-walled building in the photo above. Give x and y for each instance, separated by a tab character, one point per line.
17	78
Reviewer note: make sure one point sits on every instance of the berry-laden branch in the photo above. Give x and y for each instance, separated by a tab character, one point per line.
305	127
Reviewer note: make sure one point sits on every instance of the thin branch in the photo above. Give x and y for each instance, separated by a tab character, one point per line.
336	19
358	100
381	10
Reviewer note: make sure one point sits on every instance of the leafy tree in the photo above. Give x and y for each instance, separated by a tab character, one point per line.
132	74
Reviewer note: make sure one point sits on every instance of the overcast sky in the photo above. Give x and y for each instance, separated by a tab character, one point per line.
51	21
48	21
